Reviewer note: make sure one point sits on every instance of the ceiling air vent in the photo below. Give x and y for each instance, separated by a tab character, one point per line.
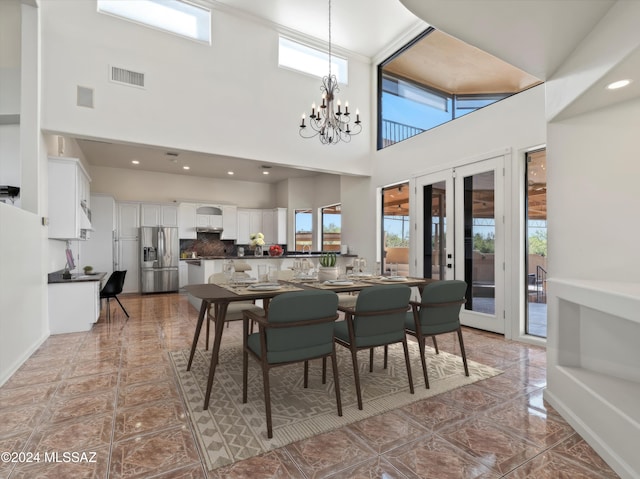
127	77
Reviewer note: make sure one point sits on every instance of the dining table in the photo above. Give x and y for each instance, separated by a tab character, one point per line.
221	295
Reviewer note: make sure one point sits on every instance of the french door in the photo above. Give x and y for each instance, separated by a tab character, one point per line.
460	235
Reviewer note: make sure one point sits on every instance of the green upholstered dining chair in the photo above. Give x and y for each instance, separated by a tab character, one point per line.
235	308
438	312
298	327
376	320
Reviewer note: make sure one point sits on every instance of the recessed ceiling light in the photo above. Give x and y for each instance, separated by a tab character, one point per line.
185	167
265	172
171	153
135	162
618	84
265	169
229	172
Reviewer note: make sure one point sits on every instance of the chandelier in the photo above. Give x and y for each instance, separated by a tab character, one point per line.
328	121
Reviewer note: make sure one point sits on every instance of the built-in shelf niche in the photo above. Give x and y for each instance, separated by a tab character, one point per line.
593	365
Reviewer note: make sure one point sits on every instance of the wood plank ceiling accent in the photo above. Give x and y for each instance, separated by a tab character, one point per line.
445	63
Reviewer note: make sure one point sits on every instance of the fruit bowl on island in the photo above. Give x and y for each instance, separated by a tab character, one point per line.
275	250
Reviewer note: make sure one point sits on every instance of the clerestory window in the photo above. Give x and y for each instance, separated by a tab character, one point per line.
437	78
302	58
175	16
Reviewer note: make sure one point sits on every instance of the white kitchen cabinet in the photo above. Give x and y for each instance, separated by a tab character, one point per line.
73	306
187	221
128	220
128	259
229	222
183	274
274	225
68	199
158	215
209	217
249	222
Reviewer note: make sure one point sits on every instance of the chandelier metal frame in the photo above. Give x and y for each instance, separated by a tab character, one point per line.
329	124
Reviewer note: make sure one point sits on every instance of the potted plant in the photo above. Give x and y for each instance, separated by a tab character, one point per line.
328	269
88	269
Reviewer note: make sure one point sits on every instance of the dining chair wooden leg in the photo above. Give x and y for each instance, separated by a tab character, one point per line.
407	362
370	360
356	375
435	344
336	380
245	373
423	360
386	355
324	370
206	341
306	374
463	353
267	400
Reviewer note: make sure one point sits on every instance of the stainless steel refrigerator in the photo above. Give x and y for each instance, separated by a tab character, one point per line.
160	256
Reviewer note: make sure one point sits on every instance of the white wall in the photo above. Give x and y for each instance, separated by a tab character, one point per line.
23	245
24	321
593	197
229	98
130	185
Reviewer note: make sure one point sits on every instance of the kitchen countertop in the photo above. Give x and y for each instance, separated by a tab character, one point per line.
197	261
56	277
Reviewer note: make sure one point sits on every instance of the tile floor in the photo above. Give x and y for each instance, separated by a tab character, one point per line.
109	393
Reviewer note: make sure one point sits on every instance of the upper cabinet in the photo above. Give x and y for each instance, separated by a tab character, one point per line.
194	217
187	221
128	220
229	222
158	215
69	213
272	223
209	218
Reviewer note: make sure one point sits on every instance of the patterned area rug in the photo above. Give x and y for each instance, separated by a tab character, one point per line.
230	431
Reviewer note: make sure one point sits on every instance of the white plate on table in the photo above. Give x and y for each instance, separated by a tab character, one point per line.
264	287
394	279
338	282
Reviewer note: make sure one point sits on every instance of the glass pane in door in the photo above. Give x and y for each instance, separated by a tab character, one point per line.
479	242
395	230
435	212
536	244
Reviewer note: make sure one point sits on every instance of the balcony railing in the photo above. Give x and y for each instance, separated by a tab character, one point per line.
393	132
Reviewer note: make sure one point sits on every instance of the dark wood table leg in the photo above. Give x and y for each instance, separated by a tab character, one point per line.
221	313
203	313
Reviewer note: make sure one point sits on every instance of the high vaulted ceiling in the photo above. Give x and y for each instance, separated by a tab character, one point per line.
536	36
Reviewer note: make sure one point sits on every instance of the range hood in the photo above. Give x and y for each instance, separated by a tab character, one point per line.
208	219
209	229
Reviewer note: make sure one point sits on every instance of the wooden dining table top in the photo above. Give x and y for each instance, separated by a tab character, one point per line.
214	293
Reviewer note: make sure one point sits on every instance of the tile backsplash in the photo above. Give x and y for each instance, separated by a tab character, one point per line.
207	244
